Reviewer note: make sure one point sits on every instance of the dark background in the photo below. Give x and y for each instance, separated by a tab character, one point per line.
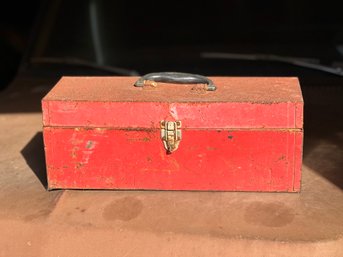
94	37
16	21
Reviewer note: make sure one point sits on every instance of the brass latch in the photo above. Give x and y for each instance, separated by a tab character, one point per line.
171	134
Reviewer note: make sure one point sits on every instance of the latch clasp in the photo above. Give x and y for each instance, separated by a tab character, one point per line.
171	134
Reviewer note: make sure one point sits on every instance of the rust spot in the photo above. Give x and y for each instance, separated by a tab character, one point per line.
282	157
149	130
149	159
199	89
89	128
73	152
137	139
79	165
230	137
90	144
210	148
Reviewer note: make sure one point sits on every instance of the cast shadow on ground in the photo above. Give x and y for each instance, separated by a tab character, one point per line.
33	153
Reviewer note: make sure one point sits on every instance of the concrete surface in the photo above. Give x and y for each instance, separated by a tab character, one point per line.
34	222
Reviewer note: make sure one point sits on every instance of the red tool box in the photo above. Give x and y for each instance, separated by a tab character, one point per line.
226	133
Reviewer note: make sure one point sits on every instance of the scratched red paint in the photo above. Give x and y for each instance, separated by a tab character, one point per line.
103	133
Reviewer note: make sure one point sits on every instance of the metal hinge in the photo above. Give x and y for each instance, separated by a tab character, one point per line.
171	134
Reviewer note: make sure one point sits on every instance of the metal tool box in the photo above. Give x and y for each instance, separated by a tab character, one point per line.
171	131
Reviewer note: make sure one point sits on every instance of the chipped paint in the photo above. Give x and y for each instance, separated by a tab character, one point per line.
90	144
173	111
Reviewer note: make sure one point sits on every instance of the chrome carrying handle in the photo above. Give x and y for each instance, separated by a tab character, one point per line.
177	78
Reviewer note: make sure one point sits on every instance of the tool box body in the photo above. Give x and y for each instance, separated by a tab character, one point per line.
104	133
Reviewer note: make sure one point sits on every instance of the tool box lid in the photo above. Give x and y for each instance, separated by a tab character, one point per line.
114	102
